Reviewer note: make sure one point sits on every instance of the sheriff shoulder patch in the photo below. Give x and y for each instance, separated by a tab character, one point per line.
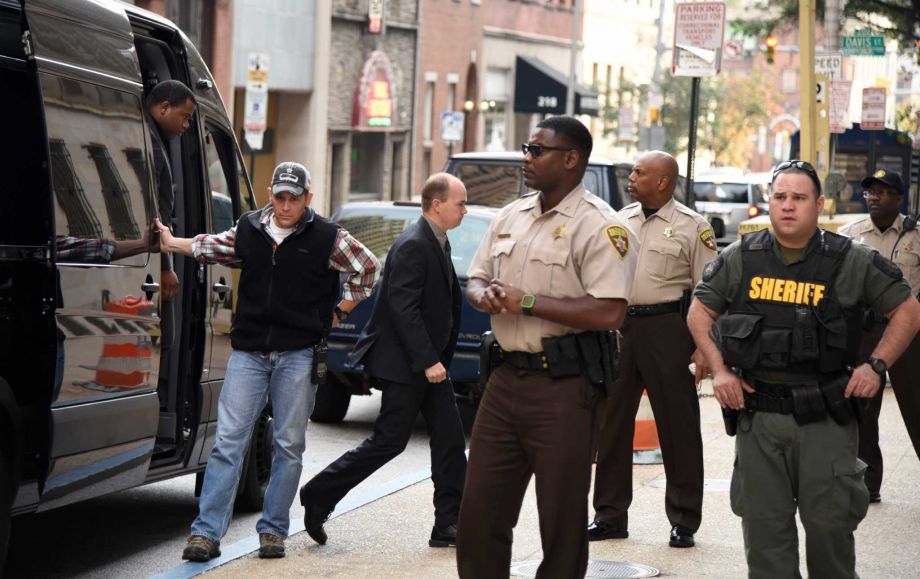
886	266
712	268
618	238
708	239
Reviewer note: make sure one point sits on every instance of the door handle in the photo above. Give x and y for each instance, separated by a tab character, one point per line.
150	287
221	288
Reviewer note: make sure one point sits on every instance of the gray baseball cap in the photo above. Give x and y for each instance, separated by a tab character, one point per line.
291	177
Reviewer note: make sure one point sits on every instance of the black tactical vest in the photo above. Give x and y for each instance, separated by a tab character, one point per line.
787	317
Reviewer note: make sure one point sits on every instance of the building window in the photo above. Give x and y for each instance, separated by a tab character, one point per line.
114	193
71	198
428	121
790	80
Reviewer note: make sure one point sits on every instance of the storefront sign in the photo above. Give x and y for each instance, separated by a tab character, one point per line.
873	109
375	98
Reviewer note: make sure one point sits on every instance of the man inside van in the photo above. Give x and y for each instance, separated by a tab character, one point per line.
170	106
290	260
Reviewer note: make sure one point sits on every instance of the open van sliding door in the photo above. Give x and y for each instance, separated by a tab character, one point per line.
105	409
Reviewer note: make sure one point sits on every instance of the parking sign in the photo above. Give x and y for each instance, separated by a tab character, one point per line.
699	30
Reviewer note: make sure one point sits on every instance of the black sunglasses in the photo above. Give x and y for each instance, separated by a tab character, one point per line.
803	166
537	150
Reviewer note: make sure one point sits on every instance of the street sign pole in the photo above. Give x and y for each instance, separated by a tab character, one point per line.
691	142
699	35
807	86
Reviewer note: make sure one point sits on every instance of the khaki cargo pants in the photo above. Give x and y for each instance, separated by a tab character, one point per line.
781	466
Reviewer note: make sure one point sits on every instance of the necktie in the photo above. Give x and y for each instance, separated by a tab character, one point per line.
450	262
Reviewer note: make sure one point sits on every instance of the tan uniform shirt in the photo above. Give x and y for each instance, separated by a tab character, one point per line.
578	248
677	243
907	253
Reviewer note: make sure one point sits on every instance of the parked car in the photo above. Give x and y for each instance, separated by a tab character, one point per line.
83	409
377	225
494	179
728	197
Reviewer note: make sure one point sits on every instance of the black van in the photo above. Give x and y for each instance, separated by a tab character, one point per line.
83	411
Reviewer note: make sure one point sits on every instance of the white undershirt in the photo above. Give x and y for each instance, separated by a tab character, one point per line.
278	233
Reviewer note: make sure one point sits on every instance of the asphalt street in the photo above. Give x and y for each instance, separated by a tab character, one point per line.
141	532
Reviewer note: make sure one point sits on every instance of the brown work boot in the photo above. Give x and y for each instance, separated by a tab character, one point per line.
201	549
270	546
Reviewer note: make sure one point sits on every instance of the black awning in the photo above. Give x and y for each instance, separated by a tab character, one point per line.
540	88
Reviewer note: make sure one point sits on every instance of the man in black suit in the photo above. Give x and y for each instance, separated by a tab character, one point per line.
407	346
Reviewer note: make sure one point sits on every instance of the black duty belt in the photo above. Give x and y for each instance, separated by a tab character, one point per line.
771	397
653	309
526	360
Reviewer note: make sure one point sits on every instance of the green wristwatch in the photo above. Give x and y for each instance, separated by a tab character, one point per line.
528	301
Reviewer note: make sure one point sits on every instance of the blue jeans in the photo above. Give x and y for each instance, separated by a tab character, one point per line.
251	378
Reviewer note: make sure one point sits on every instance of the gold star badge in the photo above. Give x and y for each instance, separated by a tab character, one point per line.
668	232
559	232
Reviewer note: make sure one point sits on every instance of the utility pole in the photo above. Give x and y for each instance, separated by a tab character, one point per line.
570	92
807	105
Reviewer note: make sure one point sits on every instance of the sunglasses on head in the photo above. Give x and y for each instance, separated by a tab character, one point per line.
803	166
537	150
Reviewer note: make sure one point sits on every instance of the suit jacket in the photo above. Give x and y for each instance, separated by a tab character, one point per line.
409	329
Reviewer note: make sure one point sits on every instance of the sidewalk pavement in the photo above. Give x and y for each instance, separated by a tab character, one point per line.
389	537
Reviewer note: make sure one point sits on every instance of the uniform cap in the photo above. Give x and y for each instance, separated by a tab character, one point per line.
884	177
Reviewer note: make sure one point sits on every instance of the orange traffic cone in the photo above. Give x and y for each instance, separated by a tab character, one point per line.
125	362
646	446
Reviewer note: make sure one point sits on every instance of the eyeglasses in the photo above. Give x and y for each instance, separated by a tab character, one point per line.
884	193
804	167
537	150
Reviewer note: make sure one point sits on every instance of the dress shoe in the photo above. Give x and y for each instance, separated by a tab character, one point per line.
313	519
443	536
681	537
601	531
875	497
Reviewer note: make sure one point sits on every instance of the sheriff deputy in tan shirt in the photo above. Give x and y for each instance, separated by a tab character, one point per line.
655	351
884	230
552	263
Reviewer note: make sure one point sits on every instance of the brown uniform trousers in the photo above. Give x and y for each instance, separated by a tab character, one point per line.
905	381
528	424
655	353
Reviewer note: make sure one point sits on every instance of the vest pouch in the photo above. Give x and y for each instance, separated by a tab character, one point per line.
839	407
774	348
807	404
739	339
805	347
833	345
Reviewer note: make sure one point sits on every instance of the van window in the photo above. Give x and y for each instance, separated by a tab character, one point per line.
230	194
592	182
491	184
98	174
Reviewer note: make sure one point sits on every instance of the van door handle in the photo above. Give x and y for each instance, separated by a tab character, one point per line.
150	287
220	288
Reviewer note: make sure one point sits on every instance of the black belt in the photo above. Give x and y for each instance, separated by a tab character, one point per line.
526	360
772	397
653	309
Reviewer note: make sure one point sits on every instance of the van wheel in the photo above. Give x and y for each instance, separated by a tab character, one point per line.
332	401
258	465
6	506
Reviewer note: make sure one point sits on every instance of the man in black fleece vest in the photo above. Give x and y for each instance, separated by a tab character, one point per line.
290	259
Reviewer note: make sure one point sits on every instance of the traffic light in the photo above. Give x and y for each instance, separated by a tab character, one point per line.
771	42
